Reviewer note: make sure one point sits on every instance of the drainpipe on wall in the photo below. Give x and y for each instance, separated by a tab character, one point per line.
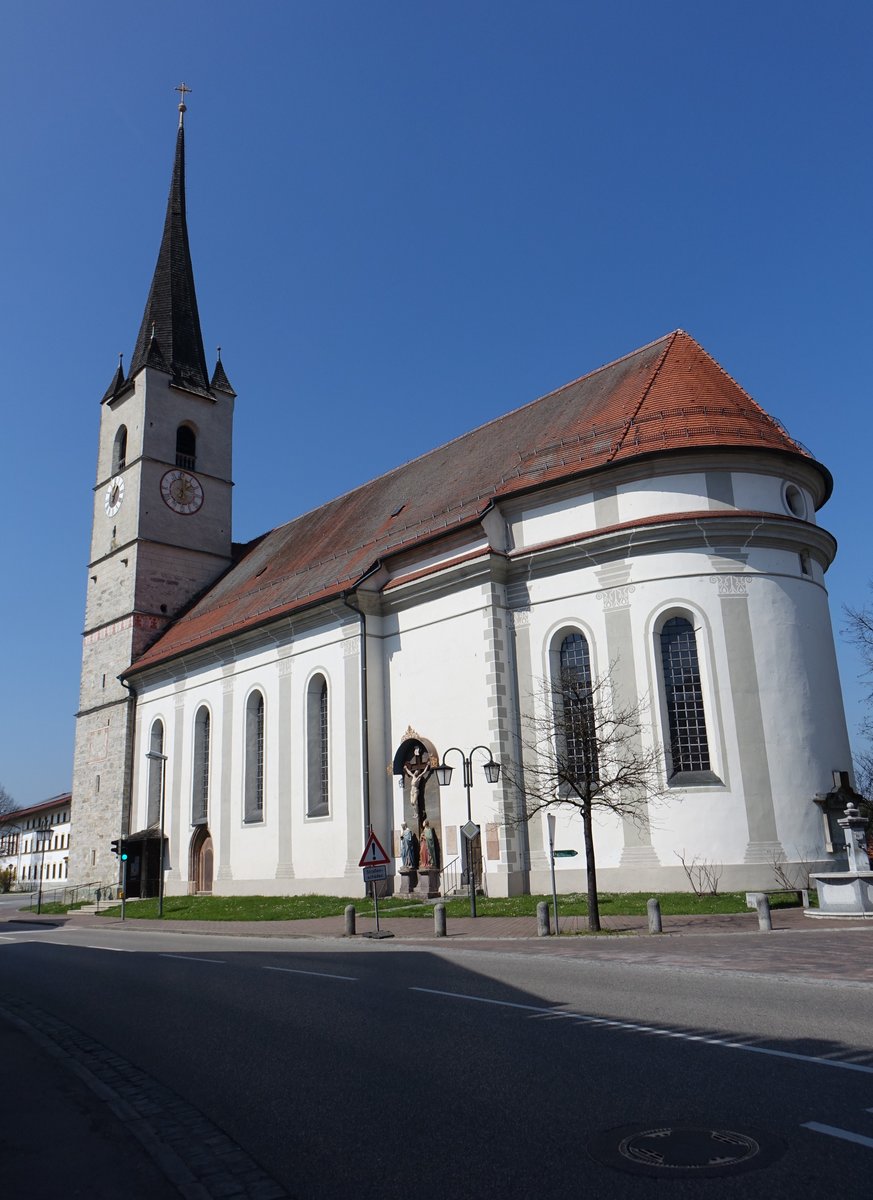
365	717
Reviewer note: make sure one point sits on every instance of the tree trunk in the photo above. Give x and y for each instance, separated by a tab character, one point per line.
591	870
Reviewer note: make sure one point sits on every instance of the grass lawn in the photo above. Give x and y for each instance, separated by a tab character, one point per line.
293	908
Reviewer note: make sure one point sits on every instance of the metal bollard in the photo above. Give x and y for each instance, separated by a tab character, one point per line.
762	903
542	919
439	920
653	907
350	915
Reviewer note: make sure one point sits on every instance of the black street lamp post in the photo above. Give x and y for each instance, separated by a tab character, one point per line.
444	775
43	837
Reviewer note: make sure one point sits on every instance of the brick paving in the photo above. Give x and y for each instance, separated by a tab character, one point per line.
799	946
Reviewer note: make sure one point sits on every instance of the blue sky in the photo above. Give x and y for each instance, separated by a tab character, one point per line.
406	219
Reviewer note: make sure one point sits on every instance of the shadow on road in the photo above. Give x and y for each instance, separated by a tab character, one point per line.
370	1072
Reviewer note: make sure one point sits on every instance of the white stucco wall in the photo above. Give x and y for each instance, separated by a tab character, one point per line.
455	648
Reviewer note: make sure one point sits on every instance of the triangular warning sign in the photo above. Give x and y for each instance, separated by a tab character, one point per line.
374	853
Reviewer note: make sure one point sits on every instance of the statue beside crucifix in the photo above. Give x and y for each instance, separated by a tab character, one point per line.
421	850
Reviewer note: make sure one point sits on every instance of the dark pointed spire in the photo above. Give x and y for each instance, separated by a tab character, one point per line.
220	381
170	330
118	382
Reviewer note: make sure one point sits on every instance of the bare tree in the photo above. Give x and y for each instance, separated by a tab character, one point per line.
7	804
793	876
584	748
703	876
859	629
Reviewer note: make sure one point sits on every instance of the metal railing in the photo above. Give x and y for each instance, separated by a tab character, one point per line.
82	893
450	876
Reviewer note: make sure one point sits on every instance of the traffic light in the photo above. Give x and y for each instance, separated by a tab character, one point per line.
115	846
124	851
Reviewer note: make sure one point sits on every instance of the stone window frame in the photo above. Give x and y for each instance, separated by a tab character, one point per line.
318	743
794	500
155	769
557	644
679	777
254	757
201	762
119	450
186	446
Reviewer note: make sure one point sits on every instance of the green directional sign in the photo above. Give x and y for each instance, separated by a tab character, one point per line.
566	853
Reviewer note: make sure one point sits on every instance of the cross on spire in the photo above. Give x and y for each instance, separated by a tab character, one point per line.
183	107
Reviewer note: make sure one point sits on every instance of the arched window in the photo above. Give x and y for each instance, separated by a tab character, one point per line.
156	773
573	708
318	749
186	447
119	450
200	788
683	694
254	776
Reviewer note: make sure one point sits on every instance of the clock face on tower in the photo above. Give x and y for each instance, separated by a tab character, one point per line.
181	491
114	496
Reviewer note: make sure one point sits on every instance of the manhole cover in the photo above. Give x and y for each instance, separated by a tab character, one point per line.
674	1150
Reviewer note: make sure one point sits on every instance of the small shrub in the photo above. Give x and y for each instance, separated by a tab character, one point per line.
703	875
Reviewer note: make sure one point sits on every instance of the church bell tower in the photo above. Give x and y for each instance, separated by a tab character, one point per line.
161	529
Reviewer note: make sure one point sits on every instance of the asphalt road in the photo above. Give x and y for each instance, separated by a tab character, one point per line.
265	1067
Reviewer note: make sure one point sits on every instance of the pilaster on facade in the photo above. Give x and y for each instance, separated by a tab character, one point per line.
616	590
731	585
502	700
764	852
637	850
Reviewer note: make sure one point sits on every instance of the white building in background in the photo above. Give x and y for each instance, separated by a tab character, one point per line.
35	842
276	699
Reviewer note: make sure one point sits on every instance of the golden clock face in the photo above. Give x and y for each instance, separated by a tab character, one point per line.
182	491
114	496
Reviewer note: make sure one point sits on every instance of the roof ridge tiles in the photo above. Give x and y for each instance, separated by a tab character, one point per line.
670	342
763	414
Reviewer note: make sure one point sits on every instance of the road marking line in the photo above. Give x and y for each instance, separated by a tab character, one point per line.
192	958
845	1134
28	933
630	1027
320	974
112	949
49	941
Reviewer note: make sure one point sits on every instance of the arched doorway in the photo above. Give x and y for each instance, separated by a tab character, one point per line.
202	859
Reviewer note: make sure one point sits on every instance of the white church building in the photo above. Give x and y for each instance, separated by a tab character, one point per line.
249	712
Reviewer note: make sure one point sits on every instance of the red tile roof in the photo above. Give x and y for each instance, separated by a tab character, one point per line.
16	814
668	396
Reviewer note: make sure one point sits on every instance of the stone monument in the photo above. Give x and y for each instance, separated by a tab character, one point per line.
847	893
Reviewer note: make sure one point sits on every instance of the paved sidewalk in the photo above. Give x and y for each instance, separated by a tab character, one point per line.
492	928
799	946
